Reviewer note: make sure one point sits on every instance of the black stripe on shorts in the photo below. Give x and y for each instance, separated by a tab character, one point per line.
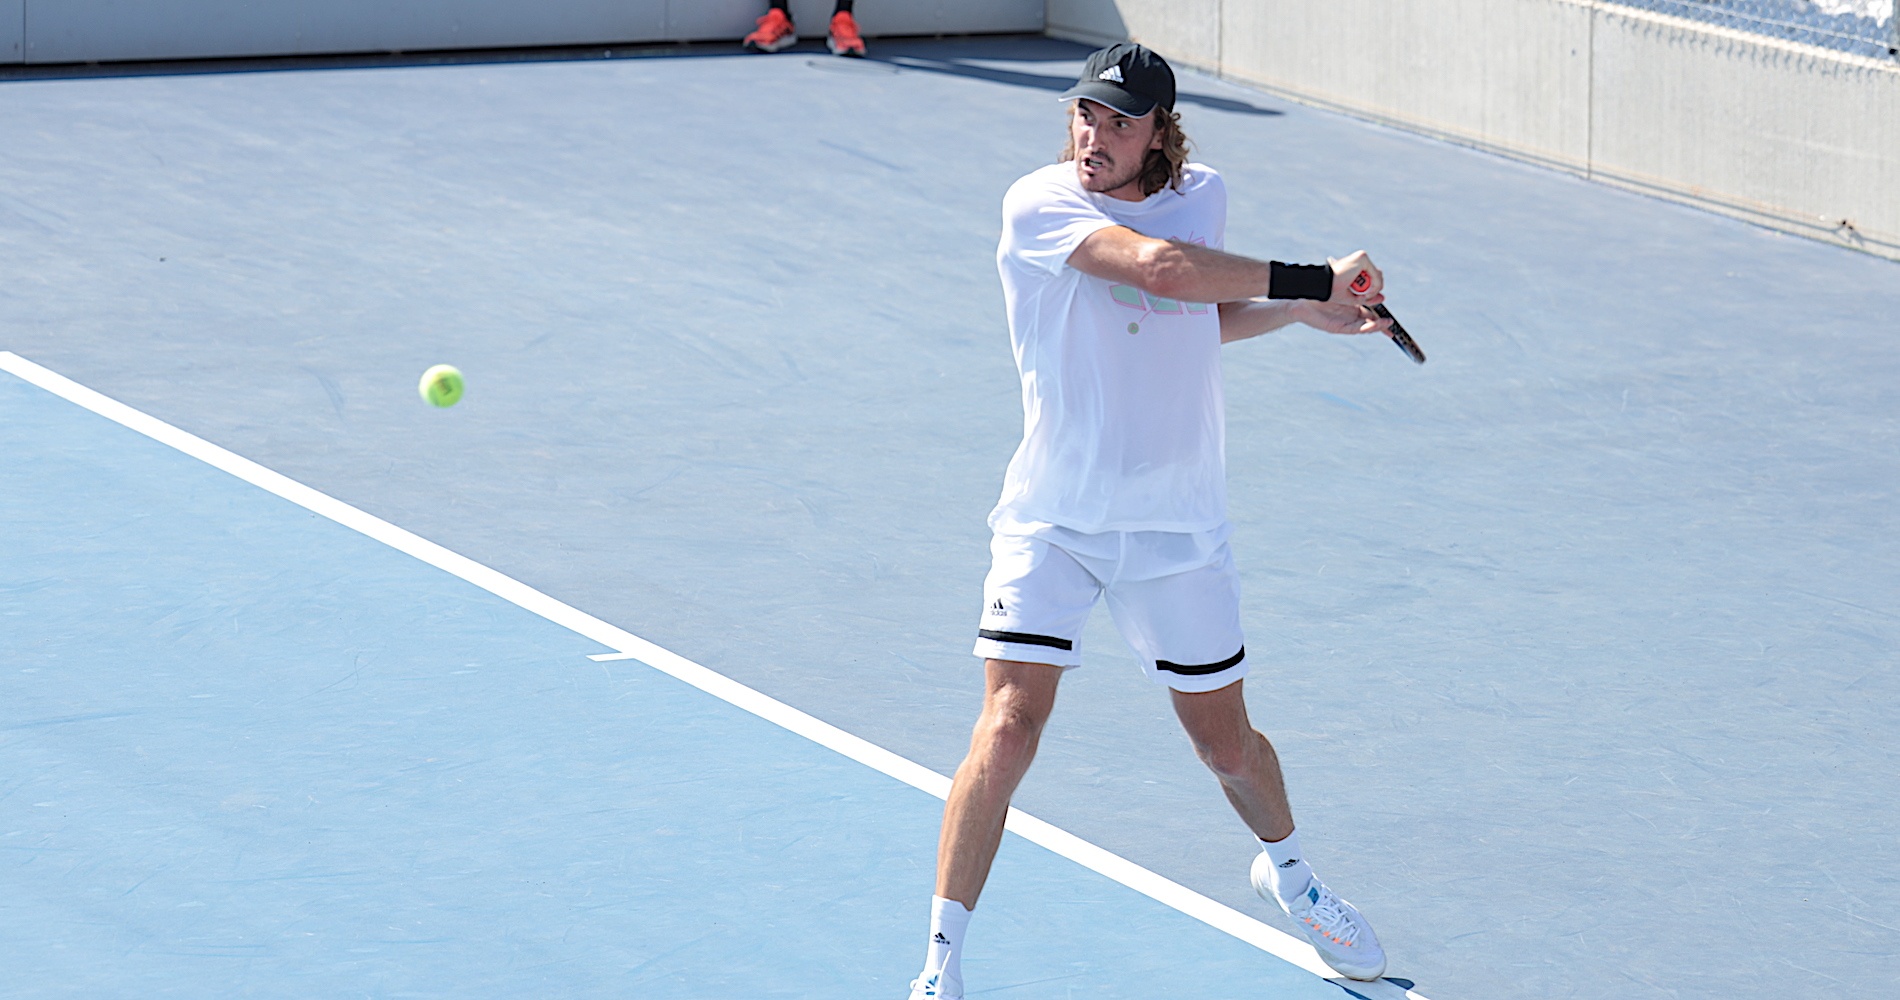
1025	638
1197	669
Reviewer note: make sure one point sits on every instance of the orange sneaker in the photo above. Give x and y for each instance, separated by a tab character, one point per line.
774	32
845	40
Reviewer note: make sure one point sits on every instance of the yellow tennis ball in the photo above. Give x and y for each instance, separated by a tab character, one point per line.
441	385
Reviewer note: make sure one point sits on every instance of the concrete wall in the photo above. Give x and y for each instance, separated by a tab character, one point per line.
12	30
1800	138
61	31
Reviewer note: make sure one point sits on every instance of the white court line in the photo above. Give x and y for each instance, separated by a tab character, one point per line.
631	647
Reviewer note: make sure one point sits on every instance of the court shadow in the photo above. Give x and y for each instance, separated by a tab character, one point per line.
1378	989
949	56
1054	84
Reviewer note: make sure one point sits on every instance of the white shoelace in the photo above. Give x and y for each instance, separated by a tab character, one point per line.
1335	921
933	985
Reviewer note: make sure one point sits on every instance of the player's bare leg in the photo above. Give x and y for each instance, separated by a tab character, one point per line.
1243	760
1017	700
1249	772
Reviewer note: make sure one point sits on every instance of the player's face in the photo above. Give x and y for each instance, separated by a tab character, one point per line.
1110	148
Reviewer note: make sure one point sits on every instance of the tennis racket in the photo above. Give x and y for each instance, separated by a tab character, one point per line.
1397	333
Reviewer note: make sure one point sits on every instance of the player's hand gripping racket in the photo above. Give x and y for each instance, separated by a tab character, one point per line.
1397	333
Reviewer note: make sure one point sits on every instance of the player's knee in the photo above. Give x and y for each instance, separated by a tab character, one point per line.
1228	758
1008	733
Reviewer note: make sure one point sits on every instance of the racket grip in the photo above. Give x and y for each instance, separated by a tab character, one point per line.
1361	282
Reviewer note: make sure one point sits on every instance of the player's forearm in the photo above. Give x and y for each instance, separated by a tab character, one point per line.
1188	272
1253	317
1192	273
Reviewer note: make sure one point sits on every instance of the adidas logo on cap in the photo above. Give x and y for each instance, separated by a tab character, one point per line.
1113	74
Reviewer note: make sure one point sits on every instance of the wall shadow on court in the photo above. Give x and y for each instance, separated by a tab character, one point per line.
1055	84
1013	48
950	56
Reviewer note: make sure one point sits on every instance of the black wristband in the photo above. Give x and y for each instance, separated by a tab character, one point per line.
1299	281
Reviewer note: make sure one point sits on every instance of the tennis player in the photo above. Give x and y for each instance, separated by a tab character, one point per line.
1119	297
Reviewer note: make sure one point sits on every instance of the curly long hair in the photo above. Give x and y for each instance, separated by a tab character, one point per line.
1163	166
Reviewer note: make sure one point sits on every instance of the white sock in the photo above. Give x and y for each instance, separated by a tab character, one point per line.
949	920
1290	876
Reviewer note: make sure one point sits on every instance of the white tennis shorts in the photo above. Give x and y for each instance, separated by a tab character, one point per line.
1175	598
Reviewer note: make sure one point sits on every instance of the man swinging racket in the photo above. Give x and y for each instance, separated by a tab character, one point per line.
1119	297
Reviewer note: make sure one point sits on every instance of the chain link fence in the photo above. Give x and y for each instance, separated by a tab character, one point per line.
1862	27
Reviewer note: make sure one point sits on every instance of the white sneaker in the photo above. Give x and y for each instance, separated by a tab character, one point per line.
1341	936
929	986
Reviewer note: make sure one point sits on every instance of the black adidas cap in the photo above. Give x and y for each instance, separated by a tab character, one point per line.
1130	78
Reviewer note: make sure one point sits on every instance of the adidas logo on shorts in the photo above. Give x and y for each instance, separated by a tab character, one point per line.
996	607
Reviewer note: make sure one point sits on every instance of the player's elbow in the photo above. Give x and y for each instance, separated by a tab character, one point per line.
1163	271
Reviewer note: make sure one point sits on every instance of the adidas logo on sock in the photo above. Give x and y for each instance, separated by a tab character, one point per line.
1290	862
938	938
996	607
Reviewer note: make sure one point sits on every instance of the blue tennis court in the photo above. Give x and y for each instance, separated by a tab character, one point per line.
254	752
1577	642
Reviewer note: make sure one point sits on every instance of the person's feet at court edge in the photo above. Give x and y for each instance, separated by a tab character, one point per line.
1341	936
1280	875
1112	497
775	31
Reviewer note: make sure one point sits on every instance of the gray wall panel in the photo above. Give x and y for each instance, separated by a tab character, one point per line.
1775	132
709	20
101	30
12	31
59	31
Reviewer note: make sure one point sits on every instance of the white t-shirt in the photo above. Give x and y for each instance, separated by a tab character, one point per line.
1123	418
